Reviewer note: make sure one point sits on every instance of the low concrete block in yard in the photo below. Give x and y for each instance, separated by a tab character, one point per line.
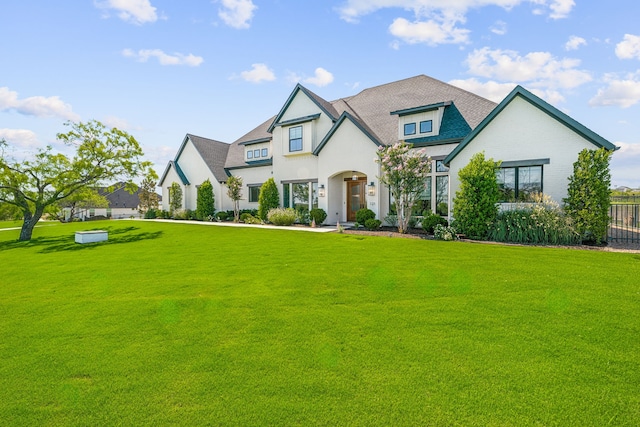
91	236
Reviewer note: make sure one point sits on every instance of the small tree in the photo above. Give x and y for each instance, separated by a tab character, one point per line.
206	205
269	198
404	170
148	196
175	197
82	200
234	191
475	206
589	195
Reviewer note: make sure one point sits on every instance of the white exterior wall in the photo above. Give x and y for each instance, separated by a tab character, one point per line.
347	151
196	171
257	175
524	132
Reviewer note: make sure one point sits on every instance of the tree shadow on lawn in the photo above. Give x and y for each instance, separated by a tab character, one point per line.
67	243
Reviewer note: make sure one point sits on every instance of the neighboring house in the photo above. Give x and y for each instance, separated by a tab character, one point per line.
322	154
122	204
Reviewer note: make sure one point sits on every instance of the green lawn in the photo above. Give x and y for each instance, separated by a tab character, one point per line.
194	325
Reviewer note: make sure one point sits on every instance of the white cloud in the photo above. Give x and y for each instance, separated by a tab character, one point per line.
321	78
163	58
624	165
621	92
629	47
429	32
437	21
38	106
237	13
20	138
499	28
116	122
574	43
258	73
135	11
537	69
293	78
491	90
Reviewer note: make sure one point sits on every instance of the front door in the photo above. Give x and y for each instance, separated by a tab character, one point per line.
355	198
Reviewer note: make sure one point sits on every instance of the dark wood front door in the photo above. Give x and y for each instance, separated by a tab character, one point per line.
355	198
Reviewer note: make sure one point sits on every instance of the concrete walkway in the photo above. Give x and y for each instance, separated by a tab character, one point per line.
323	229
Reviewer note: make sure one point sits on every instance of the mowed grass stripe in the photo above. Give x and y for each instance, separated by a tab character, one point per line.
185	324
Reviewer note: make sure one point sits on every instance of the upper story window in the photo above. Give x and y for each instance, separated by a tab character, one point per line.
295	138
426	126
265	152
410	129
250	154
256	154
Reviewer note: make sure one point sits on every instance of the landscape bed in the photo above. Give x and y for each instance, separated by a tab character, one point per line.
173	323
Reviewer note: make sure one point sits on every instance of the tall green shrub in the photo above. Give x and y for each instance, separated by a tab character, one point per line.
589	195
175	197
268	199
475	206
205	205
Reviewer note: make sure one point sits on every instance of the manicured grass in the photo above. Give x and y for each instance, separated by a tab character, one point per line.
194	325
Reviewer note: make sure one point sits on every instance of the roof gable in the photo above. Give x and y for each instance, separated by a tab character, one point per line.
545	107
212	152
346	116
324	106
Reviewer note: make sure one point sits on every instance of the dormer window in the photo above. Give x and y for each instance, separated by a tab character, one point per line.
295	138
256	154
426	126
265	152
250	154
409	129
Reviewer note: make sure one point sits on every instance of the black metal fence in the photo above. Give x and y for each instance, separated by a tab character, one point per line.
624	224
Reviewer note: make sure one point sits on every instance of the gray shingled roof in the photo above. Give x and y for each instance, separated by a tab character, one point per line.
372	107
214	153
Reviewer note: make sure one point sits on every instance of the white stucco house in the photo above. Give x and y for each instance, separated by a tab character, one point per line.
322	153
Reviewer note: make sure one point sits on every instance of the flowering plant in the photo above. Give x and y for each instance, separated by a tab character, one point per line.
404	170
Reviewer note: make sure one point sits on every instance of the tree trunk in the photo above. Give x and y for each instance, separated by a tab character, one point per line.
30	221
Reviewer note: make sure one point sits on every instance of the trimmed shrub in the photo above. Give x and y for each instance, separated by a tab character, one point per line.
318	215
247	218
475	206
282	216
244	216
430	220
447	233
268	199
372	224
205	203
222	216
151	214
364	214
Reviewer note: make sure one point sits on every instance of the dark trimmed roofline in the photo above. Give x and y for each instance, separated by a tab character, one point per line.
181	174
344	116
542	105
254	164
255	141
298	120
421	109
321	103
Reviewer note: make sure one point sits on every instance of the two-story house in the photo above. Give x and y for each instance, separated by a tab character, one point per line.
322	154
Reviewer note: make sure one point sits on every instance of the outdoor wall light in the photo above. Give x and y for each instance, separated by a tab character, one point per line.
372	189
321	191
354	178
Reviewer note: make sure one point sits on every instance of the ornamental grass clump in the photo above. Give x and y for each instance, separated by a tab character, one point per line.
540	222
282	216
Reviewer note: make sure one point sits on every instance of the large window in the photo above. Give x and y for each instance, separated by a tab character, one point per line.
295	138
434	197
254	193
518	184
442	195
302	196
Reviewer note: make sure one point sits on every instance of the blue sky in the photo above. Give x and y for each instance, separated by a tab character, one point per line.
162	68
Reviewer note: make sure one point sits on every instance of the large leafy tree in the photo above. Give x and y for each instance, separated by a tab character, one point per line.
268	199
475	206
206	203
405	171
47	178
589	195
234	191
